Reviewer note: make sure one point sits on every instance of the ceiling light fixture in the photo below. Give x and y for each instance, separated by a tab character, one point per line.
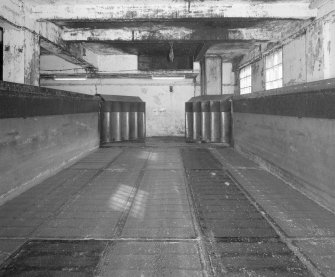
168	77
70	78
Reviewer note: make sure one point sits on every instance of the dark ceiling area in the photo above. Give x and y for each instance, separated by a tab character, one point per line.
191	23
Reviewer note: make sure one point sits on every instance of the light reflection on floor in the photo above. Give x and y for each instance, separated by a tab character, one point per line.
143	155
138	209
119	201
153	156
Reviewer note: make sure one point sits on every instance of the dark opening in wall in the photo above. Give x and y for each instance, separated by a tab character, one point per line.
147	63
1	54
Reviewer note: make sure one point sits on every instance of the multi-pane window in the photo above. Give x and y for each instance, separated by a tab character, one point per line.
245	80
274	70
1	54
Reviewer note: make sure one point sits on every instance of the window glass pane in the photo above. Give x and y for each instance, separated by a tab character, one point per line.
245	80
280	72
275	59
274	70
268	61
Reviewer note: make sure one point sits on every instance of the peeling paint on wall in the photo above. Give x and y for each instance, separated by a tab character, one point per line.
13	55
257	77
294	65
213	75
314	52
32	59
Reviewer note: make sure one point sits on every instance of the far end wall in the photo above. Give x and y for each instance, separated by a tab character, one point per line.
165	99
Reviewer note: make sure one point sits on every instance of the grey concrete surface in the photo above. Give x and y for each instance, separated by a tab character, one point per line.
303	223
35	148
165	209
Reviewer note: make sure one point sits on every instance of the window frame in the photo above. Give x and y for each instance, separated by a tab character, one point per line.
245	78
1	53
274	69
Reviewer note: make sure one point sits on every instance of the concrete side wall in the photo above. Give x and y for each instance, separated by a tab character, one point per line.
13	55
314	52
307	57
165	110
301	149
33	149
294	65
31	59
21	46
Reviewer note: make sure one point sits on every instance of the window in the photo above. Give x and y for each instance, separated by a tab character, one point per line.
1	54
274	70
245	80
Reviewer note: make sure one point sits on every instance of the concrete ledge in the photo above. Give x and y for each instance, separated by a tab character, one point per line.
28	101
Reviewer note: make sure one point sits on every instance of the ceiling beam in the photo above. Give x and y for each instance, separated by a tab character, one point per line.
202	51
272	31
51	40
318	3
171	9
69	54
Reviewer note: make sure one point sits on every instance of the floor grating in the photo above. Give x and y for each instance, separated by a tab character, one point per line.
55	258
177	211
244	241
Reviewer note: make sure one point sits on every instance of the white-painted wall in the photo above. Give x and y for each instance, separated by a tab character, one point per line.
117	63
21	46
165	110
13	57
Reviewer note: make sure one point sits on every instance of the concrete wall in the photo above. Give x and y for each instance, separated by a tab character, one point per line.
299	148
257	76
13	57
294	65
213	75
33	148
291	130
304	147
21	46
165	110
